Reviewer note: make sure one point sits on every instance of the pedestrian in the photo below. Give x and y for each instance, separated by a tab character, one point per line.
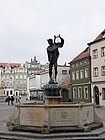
16	99
30	98
19	99
12	100
8	100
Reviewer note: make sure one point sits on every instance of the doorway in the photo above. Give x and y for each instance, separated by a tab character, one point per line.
96	95
65	95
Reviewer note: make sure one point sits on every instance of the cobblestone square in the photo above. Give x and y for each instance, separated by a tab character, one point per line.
6	111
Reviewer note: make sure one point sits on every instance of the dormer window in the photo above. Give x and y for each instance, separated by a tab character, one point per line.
103	34
7	68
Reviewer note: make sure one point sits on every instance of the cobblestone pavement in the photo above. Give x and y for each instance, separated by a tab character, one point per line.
101	113
6	111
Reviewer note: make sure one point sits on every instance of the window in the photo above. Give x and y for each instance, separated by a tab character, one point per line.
103	70
29	72
11	84
95	71
4	77
16	93
25	76
74	92
73	75
20	76
11	92
11	77
86	61
103	35
86	92
103	93
86	73
79	92
95	53
28	65
81	74
76	64
7	76
64	71
103	51
7	93
77	75
73	65
81	62
16	76
21	70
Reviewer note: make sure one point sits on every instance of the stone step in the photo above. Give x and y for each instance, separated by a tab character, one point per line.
5	137
15	135
14	138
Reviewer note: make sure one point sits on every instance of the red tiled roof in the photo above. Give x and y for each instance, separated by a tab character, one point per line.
98	38
82	55
10	64
66	84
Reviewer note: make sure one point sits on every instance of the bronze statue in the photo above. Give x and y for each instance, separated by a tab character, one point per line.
53	54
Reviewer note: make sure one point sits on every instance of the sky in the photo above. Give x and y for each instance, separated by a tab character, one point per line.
25	26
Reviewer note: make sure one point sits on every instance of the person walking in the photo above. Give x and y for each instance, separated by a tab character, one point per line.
8	100
12	100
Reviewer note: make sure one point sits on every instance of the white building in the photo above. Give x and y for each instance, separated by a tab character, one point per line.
97	53
63	74
7	77
35	82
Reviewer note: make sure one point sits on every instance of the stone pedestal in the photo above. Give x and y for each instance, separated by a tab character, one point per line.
54	117
49	100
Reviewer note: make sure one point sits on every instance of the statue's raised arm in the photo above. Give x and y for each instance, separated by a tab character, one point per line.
59	44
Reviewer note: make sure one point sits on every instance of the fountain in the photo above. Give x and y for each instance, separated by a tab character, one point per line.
53	115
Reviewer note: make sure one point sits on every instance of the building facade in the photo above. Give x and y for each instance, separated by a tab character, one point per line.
97	53
63	74
20	80
7	77
13	78
80	77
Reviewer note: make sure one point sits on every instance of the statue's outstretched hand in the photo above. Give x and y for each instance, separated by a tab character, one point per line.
59	36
